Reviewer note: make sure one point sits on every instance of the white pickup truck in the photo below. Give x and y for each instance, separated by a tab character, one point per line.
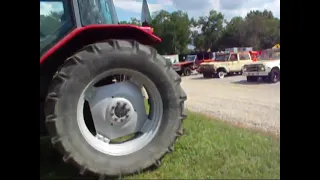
267	67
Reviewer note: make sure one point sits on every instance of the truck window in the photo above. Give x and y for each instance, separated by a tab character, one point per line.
222	57
244	56
233	57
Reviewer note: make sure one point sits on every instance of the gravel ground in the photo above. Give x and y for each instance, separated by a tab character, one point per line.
255	105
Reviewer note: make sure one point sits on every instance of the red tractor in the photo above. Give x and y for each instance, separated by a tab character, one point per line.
110	103
191	63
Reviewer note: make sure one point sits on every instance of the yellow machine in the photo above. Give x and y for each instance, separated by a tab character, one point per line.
276	46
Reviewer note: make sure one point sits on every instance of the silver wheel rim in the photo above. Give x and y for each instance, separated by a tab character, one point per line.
107	102
221	74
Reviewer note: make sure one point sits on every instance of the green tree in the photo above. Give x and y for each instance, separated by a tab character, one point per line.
133	21
262	29
210	28
173	28
233	33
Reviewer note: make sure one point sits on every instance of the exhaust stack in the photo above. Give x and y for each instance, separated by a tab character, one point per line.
145	14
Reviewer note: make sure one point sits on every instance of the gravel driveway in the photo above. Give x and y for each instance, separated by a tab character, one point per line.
255	105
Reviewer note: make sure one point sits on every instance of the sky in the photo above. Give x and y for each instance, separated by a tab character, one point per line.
195	8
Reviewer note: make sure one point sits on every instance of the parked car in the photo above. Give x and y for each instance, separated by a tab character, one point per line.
267	67
224	64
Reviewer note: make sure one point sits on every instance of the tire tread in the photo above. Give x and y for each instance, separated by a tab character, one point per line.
65	72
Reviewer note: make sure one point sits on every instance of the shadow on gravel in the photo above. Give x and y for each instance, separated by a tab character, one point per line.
245	82
199	78
202	78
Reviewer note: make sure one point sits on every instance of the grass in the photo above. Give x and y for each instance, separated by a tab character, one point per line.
209	149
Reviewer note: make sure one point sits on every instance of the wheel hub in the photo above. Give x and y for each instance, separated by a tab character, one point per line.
221	74
275	77
120	111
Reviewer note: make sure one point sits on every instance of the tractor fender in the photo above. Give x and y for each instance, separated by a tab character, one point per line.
83	36
80	37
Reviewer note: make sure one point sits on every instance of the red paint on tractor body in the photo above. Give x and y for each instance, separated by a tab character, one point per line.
150	37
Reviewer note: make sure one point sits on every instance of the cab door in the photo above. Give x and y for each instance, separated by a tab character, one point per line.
244	58
233	62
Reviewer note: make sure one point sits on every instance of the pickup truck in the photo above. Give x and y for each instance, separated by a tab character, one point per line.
267	67
225	63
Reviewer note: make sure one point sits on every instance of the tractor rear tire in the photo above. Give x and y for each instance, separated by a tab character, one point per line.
73	77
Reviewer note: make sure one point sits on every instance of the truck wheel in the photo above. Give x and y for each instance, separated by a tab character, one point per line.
187	71
274	76
221	73
252	78
207	75
105	128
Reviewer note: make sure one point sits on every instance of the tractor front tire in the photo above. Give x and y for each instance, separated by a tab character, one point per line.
67	88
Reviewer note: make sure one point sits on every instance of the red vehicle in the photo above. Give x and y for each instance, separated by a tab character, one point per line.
218	56
191	63
93	73
254	55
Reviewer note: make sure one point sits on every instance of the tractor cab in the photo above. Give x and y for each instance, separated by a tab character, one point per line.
57	18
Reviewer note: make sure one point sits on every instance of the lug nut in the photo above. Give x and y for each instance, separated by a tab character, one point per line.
111	114
118	103
113	107
99	136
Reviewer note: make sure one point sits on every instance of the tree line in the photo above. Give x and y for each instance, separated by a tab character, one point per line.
212	32
258	29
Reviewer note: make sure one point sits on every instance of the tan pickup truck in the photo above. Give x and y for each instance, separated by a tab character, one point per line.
225	64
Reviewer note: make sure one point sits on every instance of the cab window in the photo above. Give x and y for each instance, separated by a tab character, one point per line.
244	56
97	12
233	57
55	22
